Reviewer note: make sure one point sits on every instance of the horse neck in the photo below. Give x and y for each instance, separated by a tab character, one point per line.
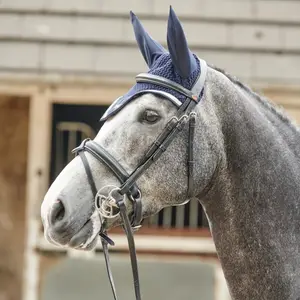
253	207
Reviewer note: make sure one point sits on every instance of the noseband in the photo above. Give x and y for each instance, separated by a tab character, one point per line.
111	203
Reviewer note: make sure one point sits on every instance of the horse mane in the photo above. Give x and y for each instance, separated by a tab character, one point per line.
267	103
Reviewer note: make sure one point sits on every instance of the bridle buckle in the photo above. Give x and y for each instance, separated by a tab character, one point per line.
136	228
106	202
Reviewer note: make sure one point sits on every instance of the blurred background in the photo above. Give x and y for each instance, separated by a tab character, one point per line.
62	63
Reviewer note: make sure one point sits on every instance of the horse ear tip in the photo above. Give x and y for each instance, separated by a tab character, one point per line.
132	15
173	19
172	11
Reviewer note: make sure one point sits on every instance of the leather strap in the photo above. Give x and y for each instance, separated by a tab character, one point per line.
101	154
108	268
128	181
103	240
199	84
88	173
194	93
131	246
191	162
162	81
128	231
159	146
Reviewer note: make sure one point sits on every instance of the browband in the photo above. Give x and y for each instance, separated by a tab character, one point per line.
193	94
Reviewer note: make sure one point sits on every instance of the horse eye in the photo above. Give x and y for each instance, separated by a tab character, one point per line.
151	116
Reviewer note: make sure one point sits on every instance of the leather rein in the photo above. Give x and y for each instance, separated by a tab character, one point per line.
110	200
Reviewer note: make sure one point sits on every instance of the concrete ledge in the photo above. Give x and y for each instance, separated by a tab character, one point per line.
150	243
287	11
93	31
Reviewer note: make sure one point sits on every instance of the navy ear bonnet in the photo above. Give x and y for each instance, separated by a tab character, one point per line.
180	66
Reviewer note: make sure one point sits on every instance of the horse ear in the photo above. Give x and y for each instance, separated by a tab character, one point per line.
182	58
149	48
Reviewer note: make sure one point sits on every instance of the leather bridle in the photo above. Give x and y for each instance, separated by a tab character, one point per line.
112	203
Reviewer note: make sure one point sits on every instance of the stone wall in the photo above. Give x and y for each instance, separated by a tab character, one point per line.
256	40
13	156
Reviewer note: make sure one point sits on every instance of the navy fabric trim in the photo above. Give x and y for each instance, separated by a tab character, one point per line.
117	105
163	67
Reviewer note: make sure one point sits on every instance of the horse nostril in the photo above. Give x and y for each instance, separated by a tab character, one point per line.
57	212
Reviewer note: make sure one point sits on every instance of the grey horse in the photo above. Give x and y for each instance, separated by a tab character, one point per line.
247	173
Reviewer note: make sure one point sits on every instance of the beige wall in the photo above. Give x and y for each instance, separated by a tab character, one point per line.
288	100
13	156
253	39
294	112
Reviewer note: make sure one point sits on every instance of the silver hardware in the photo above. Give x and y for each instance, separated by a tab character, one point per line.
105	202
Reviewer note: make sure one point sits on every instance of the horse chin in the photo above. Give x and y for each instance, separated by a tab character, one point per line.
112	223
87	237
84	239
88	246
